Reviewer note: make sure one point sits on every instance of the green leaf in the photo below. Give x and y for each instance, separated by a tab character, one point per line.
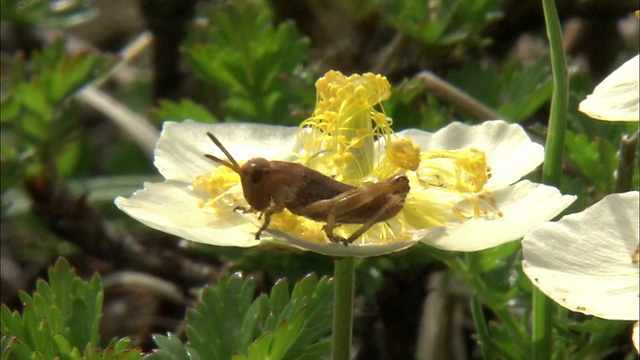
524	91
595	158
279	297
213	326
45	13
185	109
249	60
171	348
60	320
227	323
40	118
408	108
440	23
301	324
64	347
53	75
516	93
63	74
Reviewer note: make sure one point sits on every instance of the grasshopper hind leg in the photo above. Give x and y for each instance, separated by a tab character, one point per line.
328	228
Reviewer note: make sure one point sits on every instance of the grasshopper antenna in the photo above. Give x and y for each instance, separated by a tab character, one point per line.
232	163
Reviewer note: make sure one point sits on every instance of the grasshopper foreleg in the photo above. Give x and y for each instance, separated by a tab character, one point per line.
267	218
244	209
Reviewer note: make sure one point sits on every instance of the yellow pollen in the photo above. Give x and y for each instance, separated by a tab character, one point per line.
218	184
467	173
451	182
298	226
346	122
404	154
339	140
217	181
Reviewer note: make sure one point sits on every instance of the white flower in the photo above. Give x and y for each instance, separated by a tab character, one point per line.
520	206
173	206
588	262
463	193
616	97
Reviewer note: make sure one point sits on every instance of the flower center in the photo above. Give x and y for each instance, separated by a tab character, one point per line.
345	124
349	138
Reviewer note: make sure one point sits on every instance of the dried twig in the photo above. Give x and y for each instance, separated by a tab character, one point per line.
456	97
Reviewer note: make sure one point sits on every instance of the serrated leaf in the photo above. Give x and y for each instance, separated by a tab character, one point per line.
228	323
36	94
60	320
121	345
300	324
79	302
255	320
279	297
447	23
524	91
64	347
214	325
169	348
245	59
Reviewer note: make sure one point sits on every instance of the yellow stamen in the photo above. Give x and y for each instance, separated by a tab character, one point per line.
450	188
447	186
468	172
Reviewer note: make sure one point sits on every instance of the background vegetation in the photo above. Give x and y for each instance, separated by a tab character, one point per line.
84	93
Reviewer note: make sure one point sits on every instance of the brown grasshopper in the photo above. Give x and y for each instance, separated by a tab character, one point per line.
272	186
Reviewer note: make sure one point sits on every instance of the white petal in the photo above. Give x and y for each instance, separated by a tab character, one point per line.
616	97
171	207
180	151
584	261
339	250
510	152
525	205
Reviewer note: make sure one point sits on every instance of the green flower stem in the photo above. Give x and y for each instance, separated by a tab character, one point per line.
342	307
542	325
552	168
627	161
516	331
481	327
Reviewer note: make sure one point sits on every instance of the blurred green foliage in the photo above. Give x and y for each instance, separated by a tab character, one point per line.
439	23
39	118
46	12
185	109
251	67
515	92
60	321
249	59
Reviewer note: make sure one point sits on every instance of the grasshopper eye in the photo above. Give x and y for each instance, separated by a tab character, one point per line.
256	174
254	170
